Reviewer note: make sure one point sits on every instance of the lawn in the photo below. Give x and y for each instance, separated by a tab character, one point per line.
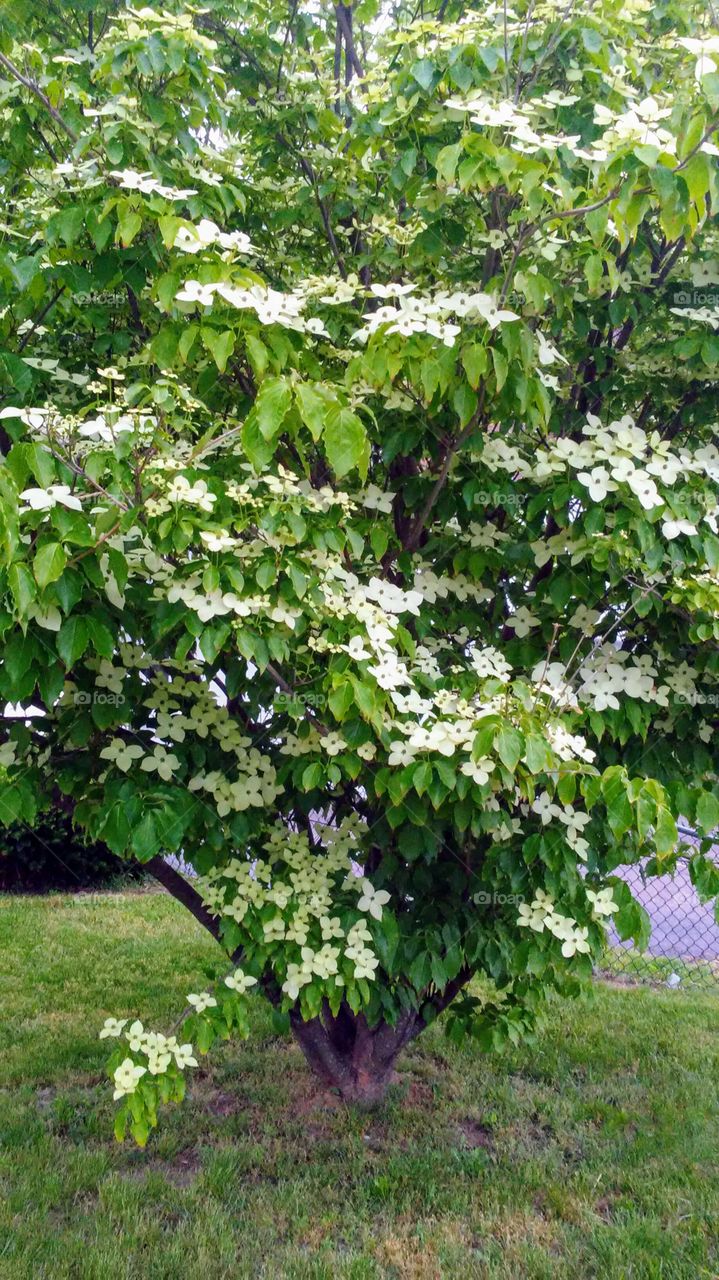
593	1153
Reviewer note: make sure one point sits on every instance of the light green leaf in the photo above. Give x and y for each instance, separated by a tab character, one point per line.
271	406
49	563
345	441
22	586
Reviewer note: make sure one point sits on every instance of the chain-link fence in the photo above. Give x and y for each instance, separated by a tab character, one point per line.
683	950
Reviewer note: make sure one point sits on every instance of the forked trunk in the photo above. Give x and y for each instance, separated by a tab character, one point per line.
352	1057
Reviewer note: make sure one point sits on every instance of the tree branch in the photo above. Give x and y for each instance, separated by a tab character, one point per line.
182	890
38	93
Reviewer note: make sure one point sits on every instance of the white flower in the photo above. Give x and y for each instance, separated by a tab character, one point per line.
365	965
545	808
522	621
576	940
672	528
487	308
603	903
126	1078
184	1056
136	1036
400	753
218	541
376	499
530	918
297	977
46	499
356	649
202	1002
162	762
239	981
598	482
121	754
478	770
157	1063
331	928
372	900
112	1028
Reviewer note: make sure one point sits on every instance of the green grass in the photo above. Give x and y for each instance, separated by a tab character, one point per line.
594	1153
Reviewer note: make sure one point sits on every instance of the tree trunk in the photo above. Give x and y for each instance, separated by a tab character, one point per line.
351	1056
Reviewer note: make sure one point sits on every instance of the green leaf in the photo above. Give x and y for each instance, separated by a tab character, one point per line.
72	640
273	401
16	373
419	971
593	271
708	812
128	225
313	406
345	441
501	367
66	225
24	270
665	832
22	585
220	345
145	838
258	449
464	402
257	354
423	72
49	563
474	360
187	340
537	753
591	40
446	161
386	939
509	744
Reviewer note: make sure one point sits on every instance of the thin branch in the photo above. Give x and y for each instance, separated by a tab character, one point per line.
182	890
38	93
417	528
39	319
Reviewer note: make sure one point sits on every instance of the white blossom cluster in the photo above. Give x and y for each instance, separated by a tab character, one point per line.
270	305
157	1050
572	820
542	914
302	884
194	238
178	704
620	453
414	313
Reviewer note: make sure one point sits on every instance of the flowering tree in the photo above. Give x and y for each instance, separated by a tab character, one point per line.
360	492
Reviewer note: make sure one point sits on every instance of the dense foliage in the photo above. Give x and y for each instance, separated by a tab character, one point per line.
51	856
360	489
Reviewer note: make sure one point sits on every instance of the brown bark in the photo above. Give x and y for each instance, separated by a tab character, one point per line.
349	1055
358	1059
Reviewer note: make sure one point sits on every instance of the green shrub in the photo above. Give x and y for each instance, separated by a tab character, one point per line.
53	856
